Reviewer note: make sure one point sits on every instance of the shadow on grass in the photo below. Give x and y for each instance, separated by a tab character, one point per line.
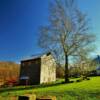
18	88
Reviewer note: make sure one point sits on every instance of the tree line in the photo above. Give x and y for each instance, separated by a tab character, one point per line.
9	71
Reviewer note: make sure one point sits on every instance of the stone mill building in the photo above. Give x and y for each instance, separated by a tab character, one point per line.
38	69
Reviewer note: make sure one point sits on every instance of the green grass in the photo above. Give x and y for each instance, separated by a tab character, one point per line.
85	90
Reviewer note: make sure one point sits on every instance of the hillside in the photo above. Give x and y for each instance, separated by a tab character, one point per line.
9	71
85	90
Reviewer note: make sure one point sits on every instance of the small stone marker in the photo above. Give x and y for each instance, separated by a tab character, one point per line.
27	97
47	98
13	98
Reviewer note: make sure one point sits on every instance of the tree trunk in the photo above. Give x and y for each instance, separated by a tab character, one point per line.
66	69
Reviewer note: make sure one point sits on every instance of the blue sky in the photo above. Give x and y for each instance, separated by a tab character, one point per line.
20	20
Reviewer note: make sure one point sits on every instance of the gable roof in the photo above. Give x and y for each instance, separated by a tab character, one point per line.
36	56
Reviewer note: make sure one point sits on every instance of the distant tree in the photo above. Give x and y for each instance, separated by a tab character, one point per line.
85	63
60	72
67	31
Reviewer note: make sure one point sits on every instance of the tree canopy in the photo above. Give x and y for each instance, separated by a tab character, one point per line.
67	31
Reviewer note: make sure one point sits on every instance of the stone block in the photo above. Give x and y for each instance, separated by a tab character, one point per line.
27	97
47	98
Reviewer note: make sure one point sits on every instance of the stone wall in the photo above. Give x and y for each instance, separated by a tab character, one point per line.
48	69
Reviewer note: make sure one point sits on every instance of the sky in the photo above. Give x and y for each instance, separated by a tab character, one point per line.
20	21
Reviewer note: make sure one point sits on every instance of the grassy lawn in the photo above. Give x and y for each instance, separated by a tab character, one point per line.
85	90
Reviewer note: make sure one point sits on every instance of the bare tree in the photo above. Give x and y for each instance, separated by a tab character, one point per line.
67	31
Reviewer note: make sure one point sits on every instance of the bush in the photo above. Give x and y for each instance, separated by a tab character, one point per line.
79	80
87	78
10	83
